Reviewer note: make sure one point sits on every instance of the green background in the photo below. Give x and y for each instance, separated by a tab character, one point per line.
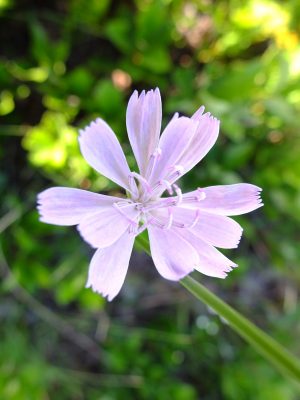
64	63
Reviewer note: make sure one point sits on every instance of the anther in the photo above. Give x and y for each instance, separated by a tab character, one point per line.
196	198
139	207
175	172
157	152
201	195
179	225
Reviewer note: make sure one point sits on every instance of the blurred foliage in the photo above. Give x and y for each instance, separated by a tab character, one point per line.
64	63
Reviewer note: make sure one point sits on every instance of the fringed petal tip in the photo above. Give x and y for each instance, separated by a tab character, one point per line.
88	130
226	270
251	196
139	97
102	150
93	124
39	198
199	115
44	195
107	296
108	267
255	194
41	208
235	199
238	241
230	267
144	92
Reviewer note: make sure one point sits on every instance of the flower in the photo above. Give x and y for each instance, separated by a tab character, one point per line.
183	229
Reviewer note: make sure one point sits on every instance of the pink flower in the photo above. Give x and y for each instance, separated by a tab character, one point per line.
183	229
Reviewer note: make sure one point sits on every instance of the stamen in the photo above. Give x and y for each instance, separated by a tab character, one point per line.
170	219
155	156
196	198
179	193
178	225
195	220
175	172
167	185
142	181
118	206
124	203
160	184
132	229
188	226
161	203
133	188
201	195
155	221
140	207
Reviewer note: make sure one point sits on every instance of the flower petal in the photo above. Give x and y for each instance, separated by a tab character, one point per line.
101	149
143	120
109	266
173	142
199	113
211	261
68	206
104	228
234	199
203	140
217	230
173	257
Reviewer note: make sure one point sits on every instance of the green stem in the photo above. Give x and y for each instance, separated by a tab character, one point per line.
263	343
282	359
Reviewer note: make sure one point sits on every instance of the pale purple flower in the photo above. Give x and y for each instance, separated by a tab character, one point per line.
184	229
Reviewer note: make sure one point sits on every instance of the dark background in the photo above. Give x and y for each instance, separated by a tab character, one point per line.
63	63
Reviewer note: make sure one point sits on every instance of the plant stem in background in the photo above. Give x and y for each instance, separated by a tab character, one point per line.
283	360
271	350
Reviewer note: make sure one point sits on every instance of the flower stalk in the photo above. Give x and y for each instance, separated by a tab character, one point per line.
270	349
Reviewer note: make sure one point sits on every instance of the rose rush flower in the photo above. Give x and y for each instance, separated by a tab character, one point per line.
184	229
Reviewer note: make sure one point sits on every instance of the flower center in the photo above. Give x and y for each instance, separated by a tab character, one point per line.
147	201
